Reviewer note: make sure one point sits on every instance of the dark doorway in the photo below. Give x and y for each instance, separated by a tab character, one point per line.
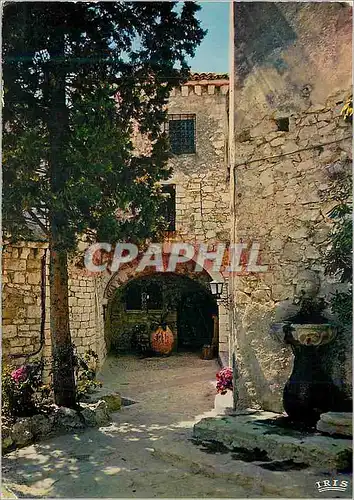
195	318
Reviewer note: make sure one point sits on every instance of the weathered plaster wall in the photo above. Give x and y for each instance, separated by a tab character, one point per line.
294	61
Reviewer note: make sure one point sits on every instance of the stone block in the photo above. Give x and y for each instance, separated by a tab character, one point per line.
41	426
34	278
95	414
14	264
19	342
338	423
29	300
252	432
278	141
25	251
19	277
33	312
33	264
292	252
67	419
9	330
21	432
328	129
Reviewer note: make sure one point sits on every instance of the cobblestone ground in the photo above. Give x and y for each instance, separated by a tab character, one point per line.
146	452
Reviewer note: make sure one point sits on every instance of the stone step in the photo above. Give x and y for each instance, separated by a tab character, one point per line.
336	423
253	432
254	477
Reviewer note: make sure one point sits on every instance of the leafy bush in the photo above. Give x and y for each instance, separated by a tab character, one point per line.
338	259
23	392
85	373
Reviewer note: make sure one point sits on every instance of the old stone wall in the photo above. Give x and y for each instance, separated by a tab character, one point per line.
202	187
86	315
202	216
202	179
22	311
21	296
290	83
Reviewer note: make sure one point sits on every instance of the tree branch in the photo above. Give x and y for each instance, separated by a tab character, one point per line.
39	222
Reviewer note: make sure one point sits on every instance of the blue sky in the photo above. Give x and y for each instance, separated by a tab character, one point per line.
212	54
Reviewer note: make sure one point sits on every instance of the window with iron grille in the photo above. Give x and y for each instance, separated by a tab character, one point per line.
169	206
181	130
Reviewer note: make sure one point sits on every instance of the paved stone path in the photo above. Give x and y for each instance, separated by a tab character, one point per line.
146	452
120	460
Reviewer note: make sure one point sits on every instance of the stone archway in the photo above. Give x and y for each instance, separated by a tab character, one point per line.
128	272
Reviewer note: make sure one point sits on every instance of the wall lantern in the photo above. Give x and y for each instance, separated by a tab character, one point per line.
216	288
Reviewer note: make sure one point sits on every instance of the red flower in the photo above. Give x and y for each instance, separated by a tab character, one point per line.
20	374
224	381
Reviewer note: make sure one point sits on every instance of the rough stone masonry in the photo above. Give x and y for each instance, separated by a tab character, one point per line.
202	216
292	76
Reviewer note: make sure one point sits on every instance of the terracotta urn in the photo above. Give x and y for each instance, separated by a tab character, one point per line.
162	340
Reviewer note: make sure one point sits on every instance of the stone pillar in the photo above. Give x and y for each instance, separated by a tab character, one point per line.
224	325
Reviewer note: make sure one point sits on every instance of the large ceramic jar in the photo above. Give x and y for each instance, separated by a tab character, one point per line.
162	340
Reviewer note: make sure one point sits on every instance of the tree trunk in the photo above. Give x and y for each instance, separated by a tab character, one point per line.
63	365
58	129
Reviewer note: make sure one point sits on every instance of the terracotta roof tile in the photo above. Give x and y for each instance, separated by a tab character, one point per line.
208	76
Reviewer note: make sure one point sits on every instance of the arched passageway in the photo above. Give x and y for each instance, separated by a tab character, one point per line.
143	303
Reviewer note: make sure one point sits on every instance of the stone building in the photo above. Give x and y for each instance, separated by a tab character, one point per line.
262	144
291	74
104	308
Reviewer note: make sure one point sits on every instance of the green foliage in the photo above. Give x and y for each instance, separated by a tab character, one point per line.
338	259
347	110
85	373
78	77
342	306
23	392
